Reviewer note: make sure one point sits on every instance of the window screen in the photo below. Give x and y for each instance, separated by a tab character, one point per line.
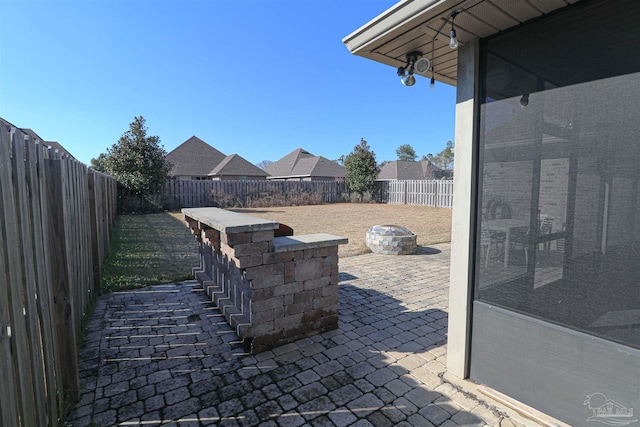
559	224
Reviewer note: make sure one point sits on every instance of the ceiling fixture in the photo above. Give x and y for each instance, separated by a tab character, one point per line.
406	72
415	64
453	40
422	66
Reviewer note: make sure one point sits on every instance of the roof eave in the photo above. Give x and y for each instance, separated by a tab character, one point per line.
389	20
288	176
365	40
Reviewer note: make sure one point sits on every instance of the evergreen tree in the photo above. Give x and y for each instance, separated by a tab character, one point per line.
137	161
362	168
406	152
98	163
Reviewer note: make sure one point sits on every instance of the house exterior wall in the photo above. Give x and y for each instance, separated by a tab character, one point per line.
307	178
553	190
325	178
237	178
190	177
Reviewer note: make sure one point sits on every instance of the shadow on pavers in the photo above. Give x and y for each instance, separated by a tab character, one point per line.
164	356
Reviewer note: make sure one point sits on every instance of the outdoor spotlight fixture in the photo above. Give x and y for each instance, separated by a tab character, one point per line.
453	40
406	72
524	101
409	80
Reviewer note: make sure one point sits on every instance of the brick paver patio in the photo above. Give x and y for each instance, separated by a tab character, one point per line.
165	356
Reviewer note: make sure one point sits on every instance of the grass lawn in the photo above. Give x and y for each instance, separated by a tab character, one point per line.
148	250
158	248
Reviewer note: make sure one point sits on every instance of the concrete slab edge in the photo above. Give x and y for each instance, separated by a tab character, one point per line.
517	411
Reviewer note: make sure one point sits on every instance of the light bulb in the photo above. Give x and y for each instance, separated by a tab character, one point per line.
410	80
453	43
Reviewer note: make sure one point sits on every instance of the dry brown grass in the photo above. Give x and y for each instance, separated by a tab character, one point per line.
352	220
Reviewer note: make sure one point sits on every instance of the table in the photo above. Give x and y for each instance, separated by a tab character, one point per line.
506	226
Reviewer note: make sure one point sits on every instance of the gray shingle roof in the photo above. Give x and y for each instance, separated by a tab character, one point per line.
194	157
53	145
301	163
238	166
405	170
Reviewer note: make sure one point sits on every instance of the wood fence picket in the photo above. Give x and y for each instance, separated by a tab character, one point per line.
179	193
55	222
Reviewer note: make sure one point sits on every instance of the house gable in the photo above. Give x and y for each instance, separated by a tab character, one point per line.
52	145
194	158
286	165
237	167
302	164
406	170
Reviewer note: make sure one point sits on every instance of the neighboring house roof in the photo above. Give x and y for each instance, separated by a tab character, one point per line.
301	163
285	165
194	157
238	166
31	133
53	145
406	170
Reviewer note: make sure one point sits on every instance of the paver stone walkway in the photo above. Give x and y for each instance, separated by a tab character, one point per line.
165	356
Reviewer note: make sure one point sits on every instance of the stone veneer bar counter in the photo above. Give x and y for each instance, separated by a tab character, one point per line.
272	290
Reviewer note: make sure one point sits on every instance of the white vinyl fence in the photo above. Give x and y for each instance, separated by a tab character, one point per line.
438	193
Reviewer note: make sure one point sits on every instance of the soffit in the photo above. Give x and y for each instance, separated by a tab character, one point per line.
421	25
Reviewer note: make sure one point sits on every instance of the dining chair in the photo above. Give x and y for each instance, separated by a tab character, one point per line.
560	242
546	226
520	241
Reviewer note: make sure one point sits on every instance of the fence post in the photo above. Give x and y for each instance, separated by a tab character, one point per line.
95	238
404	193
63	310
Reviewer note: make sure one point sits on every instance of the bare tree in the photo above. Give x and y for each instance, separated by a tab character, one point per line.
263	164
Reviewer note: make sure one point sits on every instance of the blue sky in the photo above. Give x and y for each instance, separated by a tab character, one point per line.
259	78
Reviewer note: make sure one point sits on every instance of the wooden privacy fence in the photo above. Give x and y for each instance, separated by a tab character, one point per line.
438	193
55	219
180	193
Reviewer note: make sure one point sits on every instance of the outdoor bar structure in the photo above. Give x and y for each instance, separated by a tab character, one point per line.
544	297
271	290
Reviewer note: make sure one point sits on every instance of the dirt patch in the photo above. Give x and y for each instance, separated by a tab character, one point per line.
352	220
